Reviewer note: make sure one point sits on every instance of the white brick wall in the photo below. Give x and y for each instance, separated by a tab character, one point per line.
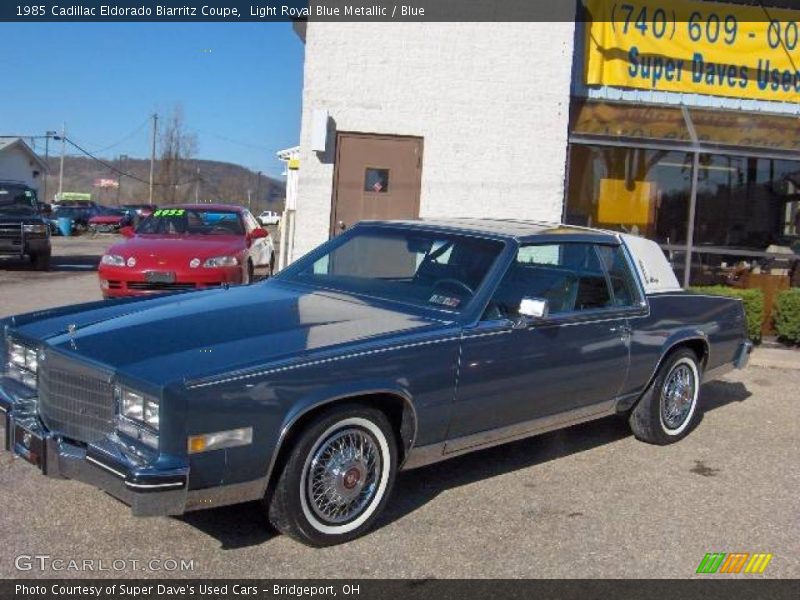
491	101
16	165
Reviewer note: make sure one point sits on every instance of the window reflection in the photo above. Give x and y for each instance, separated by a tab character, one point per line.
635	190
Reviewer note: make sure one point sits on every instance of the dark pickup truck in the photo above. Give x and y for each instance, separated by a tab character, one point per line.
23	229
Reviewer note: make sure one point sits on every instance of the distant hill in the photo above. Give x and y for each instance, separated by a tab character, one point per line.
218	182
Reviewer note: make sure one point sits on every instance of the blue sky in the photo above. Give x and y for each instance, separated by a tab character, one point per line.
239	85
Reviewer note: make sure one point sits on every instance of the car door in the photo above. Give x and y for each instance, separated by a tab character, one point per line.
259	247
565	367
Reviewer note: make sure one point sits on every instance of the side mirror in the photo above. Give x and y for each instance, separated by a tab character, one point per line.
258	234
534	308
127	232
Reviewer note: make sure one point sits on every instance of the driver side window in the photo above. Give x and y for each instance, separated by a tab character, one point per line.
569	276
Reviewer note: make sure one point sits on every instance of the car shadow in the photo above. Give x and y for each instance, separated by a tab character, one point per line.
238	526
246	524
72	263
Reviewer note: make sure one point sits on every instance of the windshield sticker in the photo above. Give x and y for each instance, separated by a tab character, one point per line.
445	300
169	212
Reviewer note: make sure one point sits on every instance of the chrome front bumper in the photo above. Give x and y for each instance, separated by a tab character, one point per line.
107	464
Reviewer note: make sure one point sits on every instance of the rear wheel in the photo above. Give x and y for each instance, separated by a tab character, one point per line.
248	273
337	477
667	410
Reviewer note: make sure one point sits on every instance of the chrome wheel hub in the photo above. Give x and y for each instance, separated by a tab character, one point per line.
343	475
677	396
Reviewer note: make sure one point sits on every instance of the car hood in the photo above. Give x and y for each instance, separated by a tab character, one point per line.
202	334
179	246
16	218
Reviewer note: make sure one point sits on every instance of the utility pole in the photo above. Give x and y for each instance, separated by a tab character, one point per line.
259	204
121	170
197	187
61	168
47	136
249	203
153	155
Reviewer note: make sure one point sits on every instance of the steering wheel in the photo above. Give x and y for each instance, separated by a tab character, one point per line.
456	283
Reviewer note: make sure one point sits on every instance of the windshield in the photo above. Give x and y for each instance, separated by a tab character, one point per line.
428	269
17	198
192	221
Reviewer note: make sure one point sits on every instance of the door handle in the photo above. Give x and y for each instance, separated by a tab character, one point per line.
341	225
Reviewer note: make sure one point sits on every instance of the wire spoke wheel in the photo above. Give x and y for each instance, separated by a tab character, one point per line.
343	475
678	394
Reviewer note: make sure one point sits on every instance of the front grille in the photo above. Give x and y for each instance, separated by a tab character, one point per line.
160	287
74	400
11	232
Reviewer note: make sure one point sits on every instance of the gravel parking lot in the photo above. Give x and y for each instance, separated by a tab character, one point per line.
589	501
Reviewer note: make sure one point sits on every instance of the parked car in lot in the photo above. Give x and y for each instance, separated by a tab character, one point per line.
269	217
79	212
23	229
394	345
110	220
186	248
142	210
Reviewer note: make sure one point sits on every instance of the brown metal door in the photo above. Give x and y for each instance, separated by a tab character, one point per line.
376	177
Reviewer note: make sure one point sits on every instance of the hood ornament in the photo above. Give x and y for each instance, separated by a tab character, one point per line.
71	331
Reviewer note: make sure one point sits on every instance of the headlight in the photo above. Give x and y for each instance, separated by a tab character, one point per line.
138	415
23	363
36	228
221	261
112	260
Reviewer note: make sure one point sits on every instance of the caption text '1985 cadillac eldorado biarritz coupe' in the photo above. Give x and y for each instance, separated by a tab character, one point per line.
392	346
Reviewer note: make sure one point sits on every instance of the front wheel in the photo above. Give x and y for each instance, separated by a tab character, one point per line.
41	261
667	410
337	478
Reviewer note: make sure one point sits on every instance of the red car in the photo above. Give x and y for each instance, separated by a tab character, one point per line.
185	248
109	220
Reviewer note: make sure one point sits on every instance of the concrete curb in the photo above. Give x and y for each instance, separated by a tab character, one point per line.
775	358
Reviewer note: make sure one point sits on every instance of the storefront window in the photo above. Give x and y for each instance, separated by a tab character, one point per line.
634	190
746	217
631	169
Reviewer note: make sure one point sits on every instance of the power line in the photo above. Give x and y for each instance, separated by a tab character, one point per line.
121	141
124	173
233	141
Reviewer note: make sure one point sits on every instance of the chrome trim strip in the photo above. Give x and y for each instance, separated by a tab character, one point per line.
472	336
153	486
94	461
516	431
199	383
689	294
426	455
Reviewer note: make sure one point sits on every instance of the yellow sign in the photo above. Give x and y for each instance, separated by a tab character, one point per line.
623	203
694	47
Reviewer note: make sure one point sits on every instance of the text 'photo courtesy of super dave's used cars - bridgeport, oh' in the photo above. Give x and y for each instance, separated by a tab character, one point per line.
392	346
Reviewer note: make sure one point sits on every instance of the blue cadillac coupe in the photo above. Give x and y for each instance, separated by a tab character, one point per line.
392	346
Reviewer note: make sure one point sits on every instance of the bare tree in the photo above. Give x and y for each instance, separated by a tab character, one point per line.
177	148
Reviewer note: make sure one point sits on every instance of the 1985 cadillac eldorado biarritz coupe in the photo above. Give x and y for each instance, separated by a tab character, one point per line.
392	346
